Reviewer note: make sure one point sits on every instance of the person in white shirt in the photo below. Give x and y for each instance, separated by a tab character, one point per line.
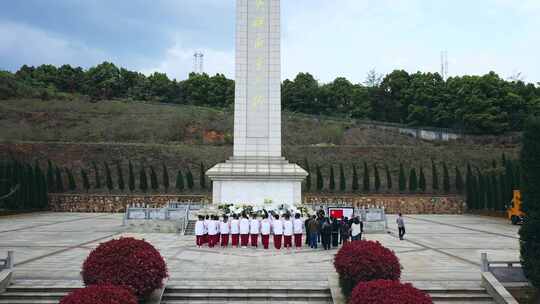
212	232
199	231
298	229
277	228
244	231
254	230
265	231
224	229
206	221
287	231
235	230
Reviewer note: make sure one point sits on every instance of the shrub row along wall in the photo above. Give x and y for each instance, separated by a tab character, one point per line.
408	204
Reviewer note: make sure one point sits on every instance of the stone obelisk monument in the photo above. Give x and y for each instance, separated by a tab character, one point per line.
257	172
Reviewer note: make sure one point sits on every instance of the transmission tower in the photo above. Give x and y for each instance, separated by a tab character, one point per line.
198	63
444	64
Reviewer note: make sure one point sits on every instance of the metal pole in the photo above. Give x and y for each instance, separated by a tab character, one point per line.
485	264
10	260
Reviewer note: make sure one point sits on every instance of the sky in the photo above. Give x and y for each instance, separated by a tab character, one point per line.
327	38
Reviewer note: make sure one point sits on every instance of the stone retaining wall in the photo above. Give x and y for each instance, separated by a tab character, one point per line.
406	204
114	203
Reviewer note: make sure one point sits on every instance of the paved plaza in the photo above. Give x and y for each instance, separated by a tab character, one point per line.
438	248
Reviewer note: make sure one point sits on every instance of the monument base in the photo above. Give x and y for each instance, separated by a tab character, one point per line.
254	180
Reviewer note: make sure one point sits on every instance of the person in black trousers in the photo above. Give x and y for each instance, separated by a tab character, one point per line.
335	232
326	234
344	231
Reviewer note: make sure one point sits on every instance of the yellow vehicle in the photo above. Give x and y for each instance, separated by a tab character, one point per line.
515	215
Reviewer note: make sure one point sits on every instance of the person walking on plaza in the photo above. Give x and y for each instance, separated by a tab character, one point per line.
254	230
265	231
235	230
344	231
326	234
335	232
298	229
313	232
244	231
199	231
287	231
357	228
277	228
401	226
224	230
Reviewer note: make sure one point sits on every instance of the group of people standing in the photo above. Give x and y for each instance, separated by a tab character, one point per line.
332	231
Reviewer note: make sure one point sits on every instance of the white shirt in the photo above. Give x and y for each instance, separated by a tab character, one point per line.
287	227
212	228
298	226
199	228
235	226
277	226
206	226
244	226
355	229
254	226
265	227
224	227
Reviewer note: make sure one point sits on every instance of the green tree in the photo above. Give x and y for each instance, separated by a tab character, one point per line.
470	188
179	181
50	177
366	178
59	181
96	176
131	181
422	180
166	183
85	180
342	181
482	203
355	184
202	176
377	177
332	181
72	185
189	179
308	177
388	178
154	184
143	180
413	180
320	179
120	176
446	178
530	231
402	178
459	181
435	177
108	177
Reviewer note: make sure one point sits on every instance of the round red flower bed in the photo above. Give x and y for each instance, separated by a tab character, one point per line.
361	261
388	292
127	262
100	294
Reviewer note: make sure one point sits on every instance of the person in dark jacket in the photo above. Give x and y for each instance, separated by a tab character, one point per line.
345	231
335	232
326	233
312	231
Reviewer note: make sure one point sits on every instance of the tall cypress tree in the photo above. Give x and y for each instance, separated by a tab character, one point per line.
166	183
355	184
131	181
388	178
41	183
71	180
50	177
459	181
413	180
308	177
108	177
435	176
402	179
143	181
517	176
377	177
189	179
501	193
332	181
59	181
320	179
85	180
96	176
446	178
509	178
469	189
120	176
366	178
153	179
530	231
179	181
422	180
202	177
481	190
342	181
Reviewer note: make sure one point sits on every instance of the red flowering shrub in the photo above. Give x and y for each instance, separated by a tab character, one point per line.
361	261
127	262
388	292
100	294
